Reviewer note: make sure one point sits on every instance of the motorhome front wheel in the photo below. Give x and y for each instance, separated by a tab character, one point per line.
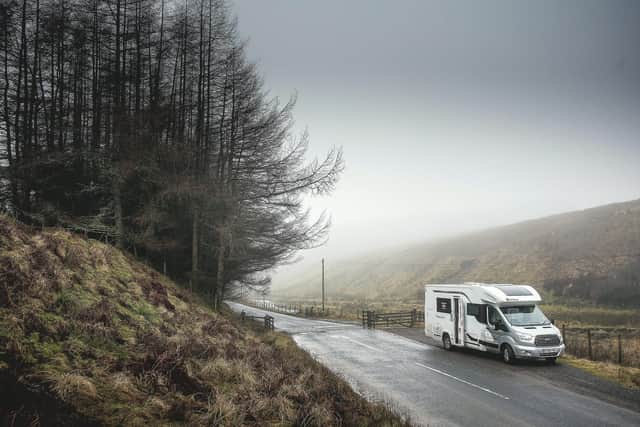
507	354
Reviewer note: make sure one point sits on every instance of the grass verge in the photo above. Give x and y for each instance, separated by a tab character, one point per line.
624	375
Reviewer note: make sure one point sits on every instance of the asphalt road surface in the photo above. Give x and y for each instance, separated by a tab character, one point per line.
435	387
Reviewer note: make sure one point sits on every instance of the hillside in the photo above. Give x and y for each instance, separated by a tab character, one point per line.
592	254
89	336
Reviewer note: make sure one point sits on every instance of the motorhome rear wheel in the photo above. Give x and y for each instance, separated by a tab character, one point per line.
446	342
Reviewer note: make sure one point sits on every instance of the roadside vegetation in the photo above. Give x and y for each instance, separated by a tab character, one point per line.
624	375
90	336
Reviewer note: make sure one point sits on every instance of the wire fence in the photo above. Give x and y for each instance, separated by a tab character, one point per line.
621	347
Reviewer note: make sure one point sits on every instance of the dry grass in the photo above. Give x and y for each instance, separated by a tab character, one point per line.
101	338
70	387
230	371
584	316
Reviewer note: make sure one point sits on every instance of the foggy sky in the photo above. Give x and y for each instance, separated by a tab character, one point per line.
456	115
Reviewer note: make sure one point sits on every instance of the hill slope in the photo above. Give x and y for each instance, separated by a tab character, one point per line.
592	254
89	336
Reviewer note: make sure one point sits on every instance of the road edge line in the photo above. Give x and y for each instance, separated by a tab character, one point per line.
502	396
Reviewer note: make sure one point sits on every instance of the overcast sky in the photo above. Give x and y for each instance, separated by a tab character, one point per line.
456	115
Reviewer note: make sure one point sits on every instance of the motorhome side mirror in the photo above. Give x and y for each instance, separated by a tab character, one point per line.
499	326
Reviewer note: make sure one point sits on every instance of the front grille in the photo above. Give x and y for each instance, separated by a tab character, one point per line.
547	340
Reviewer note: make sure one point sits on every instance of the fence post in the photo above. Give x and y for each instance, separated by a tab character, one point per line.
564	337
589	343
243	315
362	319
373	318
413	317
619	350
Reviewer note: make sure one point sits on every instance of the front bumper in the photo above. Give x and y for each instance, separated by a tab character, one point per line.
538	352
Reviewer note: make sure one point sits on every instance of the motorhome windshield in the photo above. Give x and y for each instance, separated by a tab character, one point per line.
524	315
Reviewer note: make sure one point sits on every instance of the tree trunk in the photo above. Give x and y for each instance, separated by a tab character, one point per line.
117	211
194	247
220	271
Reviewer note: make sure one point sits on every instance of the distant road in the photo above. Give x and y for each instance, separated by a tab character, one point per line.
436	387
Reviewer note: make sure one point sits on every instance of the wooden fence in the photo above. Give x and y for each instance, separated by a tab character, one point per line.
371	319
268	320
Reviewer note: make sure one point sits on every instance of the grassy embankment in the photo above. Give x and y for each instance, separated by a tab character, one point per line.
90	336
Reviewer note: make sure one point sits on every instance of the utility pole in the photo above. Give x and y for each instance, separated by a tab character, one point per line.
323	285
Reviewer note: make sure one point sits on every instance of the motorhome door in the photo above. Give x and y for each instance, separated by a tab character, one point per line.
458	320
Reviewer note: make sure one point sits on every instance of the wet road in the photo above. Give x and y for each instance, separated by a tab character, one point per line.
435	387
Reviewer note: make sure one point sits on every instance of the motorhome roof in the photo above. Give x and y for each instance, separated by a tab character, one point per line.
497	293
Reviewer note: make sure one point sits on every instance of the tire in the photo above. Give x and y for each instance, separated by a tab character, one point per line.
446	342
508	356
551	360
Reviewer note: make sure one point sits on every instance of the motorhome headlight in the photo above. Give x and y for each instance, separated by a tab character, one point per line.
525	337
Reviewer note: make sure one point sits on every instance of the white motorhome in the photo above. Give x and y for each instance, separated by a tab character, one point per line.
498	318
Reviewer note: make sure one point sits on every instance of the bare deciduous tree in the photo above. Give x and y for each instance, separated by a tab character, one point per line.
141	122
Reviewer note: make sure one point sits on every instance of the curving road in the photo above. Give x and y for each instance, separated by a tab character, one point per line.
435	387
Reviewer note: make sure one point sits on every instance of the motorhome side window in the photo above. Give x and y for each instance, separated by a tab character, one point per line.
479	311
494	316
443	305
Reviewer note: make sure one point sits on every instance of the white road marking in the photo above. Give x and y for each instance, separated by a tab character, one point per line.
358	342
463	381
